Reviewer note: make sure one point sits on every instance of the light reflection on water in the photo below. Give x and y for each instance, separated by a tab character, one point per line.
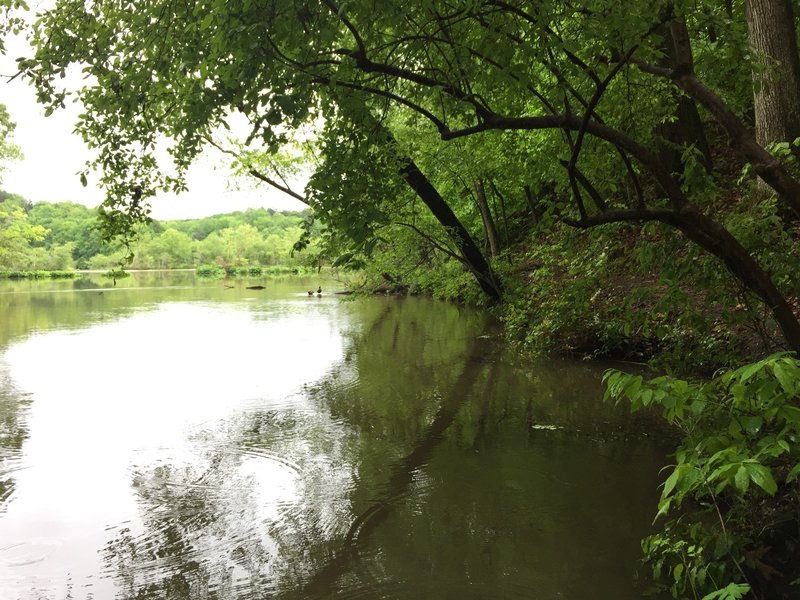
235	445
134	402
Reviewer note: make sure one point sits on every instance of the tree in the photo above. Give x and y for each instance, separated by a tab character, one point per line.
16	234
486	217
171	249
8	150
580	81
10	22
687	128
776	77
69	223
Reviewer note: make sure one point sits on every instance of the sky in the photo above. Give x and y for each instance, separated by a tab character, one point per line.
53	155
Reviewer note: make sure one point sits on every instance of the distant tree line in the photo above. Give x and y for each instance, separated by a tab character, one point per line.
64	235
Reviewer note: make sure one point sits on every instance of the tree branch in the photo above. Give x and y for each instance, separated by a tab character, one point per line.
434	243
278	186
339	13
739	136
258	175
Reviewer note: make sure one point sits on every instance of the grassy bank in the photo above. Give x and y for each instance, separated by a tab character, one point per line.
217	272
39	274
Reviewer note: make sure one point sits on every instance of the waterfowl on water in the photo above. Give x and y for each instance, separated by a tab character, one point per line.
310	292
319	291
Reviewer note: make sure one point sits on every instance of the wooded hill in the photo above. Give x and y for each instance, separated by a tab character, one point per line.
64	235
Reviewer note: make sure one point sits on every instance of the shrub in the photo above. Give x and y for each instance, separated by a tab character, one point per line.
734	484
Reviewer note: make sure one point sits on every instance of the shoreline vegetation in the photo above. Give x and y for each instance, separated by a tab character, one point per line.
202	271
637	293
12	274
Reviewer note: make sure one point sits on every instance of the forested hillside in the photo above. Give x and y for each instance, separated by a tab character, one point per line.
64	235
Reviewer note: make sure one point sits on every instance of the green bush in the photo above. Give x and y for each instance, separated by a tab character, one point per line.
734	485
216	271
210	271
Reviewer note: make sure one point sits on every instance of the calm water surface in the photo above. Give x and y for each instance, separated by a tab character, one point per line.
174	438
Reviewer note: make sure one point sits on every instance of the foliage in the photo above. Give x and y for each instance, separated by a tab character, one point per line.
217	272
8	150
16	235
209	270
38	274
570	130
65	235
740	447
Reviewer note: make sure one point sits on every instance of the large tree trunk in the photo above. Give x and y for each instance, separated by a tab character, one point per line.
486	216
776	82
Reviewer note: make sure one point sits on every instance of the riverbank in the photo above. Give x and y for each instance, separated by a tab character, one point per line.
25	274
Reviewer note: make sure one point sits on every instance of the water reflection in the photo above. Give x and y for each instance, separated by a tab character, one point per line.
112	402
250	446
13	432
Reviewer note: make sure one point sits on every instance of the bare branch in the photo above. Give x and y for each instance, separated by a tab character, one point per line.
258	175
435	243
278	186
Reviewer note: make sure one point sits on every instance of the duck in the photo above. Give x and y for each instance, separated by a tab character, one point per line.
319	291
310	292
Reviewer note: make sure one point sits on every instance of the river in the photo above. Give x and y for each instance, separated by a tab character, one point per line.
169	437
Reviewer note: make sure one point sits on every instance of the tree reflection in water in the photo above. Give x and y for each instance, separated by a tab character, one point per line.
220	528
425	464
269	508
13	433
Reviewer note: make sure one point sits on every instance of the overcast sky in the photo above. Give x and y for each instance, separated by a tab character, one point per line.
54	154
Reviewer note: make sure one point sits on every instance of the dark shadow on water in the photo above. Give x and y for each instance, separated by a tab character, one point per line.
402	474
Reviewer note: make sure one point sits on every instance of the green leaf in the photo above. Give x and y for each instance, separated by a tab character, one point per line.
762	477
733	591
786	377
752	424
739	391
793	473
671	481
633	387
748	371
791	414
742	479
206	22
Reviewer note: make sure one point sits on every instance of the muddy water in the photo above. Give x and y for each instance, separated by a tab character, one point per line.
174	438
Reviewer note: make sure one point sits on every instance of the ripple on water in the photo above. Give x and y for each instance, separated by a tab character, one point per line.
206	521
27	553
20	563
